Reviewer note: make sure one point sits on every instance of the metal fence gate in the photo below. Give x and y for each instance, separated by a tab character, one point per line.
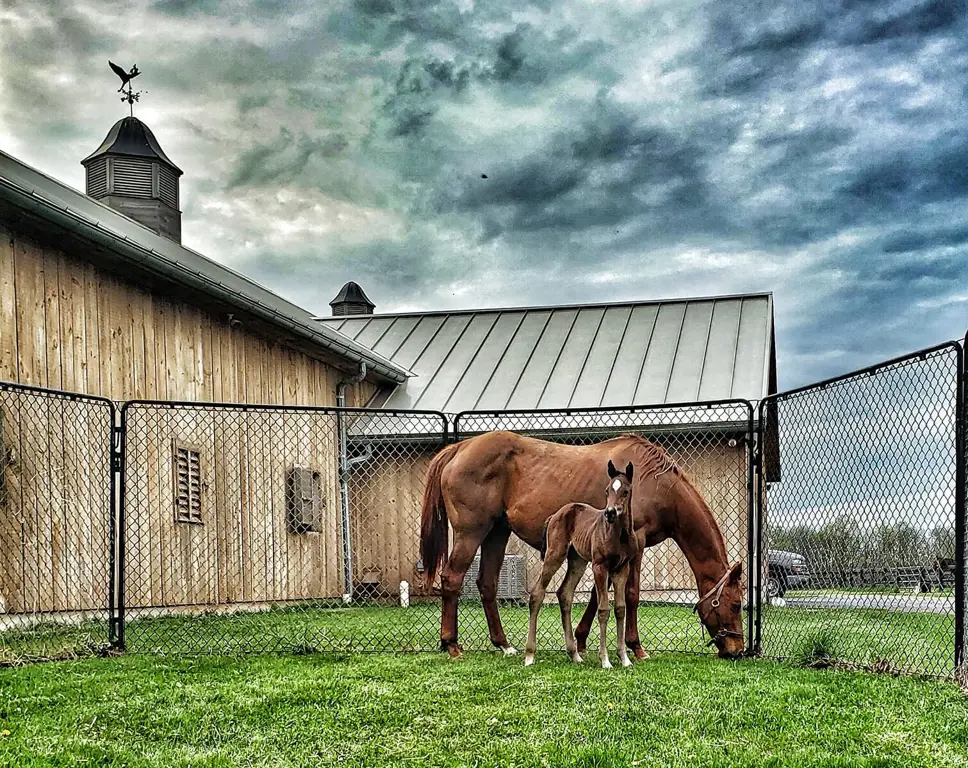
712	442
56	524
302	524
862	513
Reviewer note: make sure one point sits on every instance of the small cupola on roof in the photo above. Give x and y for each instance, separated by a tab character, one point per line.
131	173
351	301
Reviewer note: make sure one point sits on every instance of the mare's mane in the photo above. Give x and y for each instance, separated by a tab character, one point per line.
656	458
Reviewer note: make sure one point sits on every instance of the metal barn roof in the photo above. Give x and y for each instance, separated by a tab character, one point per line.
636	353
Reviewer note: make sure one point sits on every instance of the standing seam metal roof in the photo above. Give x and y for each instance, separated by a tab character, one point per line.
582	356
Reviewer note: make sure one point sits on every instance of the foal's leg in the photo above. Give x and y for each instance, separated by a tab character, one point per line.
601	587
566	597
554	557
618	581
492	556
585	624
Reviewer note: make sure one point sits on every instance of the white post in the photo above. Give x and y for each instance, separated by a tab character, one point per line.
404	594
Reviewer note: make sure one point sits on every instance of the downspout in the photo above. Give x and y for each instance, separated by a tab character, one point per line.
344	481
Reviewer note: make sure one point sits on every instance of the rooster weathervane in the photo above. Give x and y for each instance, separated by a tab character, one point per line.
128	95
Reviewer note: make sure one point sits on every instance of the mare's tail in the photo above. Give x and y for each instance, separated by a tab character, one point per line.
433	518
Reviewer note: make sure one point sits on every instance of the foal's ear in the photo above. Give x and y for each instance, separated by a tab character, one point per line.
735	573
612	472
628	471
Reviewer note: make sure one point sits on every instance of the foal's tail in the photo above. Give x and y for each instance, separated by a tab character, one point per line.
433	519
543	549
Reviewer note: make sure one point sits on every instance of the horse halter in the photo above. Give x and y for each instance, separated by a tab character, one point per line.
716	594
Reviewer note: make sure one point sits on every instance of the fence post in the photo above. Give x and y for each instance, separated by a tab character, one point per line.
760	503
113	511
117	541
752	604
960	459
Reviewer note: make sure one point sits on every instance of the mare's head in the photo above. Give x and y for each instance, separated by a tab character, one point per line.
618	494
721	612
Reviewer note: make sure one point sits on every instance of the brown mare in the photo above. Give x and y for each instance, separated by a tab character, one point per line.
500	482
602	537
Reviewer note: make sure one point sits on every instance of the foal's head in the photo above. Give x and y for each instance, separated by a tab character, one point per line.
618	495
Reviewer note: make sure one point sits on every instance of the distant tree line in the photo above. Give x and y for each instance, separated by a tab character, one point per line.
843	553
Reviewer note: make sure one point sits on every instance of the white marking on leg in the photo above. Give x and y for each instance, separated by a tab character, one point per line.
509	650
626	661
606	664
577	658
528	659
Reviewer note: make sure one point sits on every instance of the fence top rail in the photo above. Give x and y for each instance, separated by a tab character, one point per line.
696	405
12	386
204	405
870	370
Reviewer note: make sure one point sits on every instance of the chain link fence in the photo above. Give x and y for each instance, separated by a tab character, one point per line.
710	442
859	497
277	528
262	528
56	524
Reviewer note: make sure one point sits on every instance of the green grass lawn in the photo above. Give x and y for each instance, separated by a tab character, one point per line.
482	710
913	642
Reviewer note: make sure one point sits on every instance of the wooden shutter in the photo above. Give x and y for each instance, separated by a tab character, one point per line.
187	477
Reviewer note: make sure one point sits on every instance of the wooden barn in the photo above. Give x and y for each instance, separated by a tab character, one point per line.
95	302
247	505
562	365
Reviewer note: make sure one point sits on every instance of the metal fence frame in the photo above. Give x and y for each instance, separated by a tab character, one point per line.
106	470
340	414
960	416
755	429
746	426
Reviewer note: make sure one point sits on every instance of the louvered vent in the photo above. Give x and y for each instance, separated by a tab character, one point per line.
168	186
188	484
350	308
131	177
97	178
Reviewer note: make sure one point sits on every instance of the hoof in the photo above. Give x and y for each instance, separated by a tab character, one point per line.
577	658
606	664
510	650
455	651
626	662
528	660
640	653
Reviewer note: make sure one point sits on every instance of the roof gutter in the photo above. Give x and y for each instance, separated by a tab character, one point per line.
154	261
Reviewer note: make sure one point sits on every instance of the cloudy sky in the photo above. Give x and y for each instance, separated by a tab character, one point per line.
632	150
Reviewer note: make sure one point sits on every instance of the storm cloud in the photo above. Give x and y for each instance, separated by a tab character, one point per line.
455	154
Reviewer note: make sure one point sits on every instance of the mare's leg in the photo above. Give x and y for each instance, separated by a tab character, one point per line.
585	625
566	597
601	587
618	580
632	608
554	557
451	581
492	556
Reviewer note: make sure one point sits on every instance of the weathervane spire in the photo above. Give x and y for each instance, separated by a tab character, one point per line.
127	94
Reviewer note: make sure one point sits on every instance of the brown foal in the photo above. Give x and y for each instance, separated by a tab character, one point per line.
606	539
